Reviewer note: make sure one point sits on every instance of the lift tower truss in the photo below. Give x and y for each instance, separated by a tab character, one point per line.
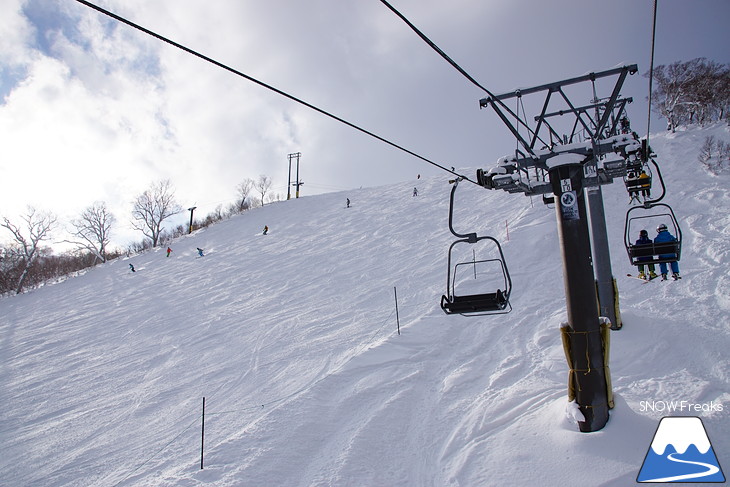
570	165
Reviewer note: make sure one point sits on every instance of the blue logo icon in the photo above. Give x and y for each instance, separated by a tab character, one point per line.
680	452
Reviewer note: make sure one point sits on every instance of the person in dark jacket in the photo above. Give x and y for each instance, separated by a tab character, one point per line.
645	240
664	236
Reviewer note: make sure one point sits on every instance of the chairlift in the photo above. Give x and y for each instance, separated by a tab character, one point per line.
636	182
478	300
652	253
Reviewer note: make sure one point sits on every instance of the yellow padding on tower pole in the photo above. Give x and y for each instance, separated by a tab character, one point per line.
567	336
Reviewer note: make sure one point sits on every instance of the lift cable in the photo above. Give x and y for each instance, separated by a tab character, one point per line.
436	48
494	99
651	73
267	86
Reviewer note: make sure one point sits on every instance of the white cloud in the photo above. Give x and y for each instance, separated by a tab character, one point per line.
101	110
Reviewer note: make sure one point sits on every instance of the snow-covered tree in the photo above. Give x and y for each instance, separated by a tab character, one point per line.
152	208
696	91
28	236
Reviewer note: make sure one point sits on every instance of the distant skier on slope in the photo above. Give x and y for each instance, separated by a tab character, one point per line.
348	202
266	229
645	240
200	252
664	236
131	267
169	251
415	191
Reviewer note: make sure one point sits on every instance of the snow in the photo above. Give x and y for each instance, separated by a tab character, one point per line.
291	338
564	159
689	430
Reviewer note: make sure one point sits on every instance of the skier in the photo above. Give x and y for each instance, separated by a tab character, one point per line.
645	240
200	252
131	267
663	236
415	191
266	229
348	202
169	250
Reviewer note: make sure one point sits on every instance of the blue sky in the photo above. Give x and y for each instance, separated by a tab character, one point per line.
94	110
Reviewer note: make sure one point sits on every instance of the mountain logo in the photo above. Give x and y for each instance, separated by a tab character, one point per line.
680	452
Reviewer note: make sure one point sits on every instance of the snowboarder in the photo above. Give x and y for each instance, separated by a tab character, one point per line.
169	250
131	267
266	229
348	202
415	191
200	252
645	240
663	236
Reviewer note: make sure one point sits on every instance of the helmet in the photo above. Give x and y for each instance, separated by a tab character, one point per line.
661	228
643	233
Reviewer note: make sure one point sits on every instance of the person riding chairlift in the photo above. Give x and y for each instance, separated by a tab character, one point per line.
664	236
645	240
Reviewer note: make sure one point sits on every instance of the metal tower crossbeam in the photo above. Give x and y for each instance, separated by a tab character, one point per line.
594	128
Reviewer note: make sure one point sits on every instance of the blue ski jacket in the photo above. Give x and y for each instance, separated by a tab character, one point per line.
665	236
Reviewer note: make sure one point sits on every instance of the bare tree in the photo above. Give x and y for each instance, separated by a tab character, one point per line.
243	189
93	228
153	207
263	185
38	226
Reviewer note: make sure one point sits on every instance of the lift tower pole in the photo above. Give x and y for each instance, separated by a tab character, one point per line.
567	165
583	333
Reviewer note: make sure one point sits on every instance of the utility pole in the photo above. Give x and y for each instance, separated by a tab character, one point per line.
190	227
294	155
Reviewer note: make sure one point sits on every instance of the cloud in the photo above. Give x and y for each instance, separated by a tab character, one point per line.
95	110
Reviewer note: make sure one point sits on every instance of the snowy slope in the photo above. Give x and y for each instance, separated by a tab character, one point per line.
292	339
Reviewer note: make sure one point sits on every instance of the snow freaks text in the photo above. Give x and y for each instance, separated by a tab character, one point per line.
680	407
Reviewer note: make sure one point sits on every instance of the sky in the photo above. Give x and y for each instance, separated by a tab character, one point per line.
94	110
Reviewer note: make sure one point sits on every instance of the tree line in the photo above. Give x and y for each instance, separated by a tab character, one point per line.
27	262
691	92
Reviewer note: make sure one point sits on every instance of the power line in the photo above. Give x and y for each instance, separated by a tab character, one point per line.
265	85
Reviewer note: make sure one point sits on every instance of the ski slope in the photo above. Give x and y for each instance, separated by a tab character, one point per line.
292	339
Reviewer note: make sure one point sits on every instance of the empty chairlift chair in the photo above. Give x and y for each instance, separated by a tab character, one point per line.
472	297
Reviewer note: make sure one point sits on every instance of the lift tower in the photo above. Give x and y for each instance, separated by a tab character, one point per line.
570	164
293	155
